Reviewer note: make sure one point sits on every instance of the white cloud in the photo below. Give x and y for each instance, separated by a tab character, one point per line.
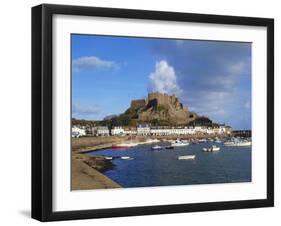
92	63
164	79
84	109
208	103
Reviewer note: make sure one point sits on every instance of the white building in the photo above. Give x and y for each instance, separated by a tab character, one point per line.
117	130
143	130
130	131
77	132
210	130
100	131
160	131
221	129
183	130
166	131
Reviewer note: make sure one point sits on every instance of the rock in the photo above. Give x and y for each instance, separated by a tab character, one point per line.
99	163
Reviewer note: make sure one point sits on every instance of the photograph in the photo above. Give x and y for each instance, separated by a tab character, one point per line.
150	112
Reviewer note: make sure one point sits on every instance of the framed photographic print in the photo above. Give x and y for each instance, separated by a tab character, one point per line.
145	112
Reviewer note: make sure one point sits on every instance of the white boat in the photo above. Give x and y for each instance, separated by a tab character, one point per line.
205	149
211	149
237	143
108	158
186	157
179	143
215	148
157	147
244	143
126	158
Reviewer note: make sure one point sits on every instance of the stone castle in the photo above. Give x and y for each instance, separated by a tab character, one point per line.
161	107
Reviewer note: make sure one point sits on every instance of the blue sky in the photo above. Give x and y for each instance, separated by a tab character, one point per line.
211	78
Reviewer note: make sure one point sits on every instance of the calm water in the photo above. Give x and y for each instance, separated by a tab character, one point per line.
161	168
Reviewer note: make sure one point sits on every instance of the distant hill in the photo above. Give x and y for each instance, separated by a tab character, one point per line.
109	117
82	122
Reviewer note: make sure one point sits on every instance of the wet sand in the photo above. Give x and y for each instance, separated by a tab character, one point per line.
85	177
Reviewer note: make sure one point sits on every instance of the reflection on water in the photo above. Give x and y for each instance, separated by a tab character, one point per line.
162	168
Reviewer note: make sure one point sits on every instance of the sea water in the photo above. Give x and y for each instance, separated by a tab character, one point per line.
162	167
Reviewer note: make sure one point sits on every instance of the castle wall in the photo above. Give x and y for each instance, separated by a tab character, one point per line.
162	99
135	104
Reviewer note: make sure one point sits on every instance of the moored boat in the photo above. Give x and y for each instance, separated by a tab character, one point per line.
211	149
244	143
156	147
126	158
169	147
186	157
108	157
215	148
179	143
238	143
202	141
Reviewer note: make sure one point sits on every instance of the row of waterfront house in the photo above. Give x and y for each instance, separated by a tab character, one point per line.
146	130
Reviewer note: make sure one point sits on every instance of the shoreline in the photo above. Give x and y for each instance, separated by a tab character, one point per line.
107	141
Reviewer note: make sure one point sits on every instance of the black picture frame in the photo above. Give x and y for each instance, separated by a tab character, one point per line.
42	107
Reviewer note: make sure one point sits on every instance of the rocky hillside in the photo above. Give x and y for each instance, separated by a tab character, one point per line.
157	109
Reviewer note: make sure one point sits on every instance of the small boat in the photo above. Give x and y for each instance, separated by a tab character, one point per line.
186	157
179	143
126	158
169	147
156	147
238	143
215	148
205	149
211	149
124	145
244	143
108	157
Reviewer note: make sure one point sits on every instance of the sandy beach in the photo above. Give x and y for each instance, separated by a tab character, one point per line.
86	177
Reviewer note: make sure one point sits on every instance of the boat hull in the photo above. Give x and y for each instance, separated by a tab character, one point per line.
242	144
186	157
179	145
122	146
